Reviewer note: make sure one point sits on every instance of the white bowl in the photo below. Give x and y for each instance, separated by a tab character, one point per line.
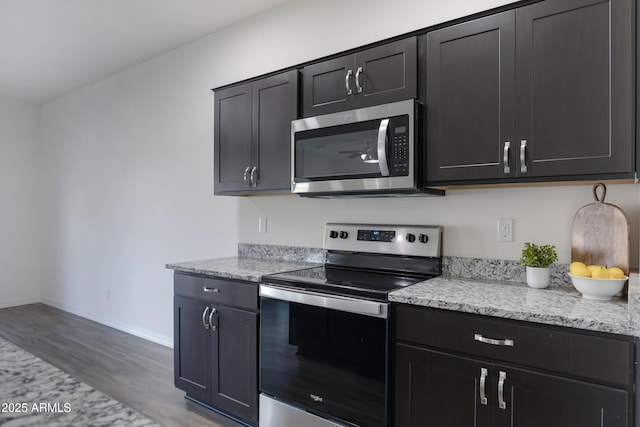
598	289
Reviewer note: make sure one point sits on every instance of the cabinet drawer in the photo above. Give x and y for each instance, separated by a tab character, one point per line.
224	291
601	358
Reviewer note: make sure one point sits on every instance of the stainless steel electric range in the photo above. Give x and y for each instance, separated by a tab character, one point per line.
324	331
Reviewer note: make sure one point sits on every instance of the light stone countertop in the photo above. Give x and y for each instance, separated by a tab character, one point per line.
254	261
555	305
241	268
487	287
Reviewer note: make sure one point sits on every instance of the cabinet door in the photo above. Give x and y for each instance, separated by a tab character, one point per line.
386	73
534	399
437	389
275	105
379	75
234	351
328	86
192	349
574	80
232	138
471	100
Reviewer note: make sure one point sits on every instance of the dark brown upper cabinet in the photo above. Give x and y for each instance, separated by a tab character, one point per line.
539	93
252	135
378	75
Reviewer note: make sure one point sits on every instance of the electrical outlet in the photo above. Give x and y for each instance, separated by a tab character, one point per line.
262	224
505	230
108	293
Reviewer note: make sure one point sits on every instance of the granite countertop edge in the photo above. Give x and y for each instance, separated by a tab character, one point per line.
556	305
239	267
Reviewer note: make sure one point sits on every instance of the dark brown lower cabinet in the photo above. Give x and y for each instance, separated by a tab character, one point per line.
537	399
445	387
234	360
192	348
216	345
439	389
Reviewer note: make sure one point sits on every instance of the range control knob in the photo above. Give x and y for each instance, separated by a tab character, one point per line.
333	234
411	238
344	234
423	238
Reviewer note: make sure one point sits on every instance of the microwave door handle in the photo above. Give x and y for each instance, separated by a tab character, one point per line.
382	147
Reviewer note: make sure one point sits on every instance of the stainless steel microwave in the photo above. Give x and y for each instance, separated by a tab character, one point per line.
371	151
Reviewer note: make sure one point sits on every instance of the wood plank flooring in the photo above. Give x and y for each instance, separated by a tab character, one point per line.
135	371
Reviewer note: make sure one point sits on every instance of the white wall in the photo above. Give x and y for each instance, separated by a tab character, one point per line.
128	184
20	238
127	169
542	215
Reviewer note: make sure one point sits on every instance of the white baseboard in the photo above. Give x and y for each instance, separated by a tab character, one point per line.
147	335
17	302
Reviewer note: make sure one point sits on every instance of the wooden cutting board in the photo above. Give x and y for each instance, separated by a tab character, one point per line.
600	233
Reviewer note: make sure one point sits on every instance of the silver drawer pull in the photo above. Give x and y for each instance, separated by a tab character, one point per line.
211	290
253	176
213	327
204	318
346	82
493	341
523	156
483	381
505	158
502	377
245	176
358	87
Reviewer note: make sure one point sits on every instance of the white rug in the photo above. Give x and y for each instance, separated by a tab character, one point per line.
36	393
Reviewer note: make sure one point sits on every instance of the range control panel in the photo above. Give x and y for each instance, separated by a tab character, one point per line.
410	240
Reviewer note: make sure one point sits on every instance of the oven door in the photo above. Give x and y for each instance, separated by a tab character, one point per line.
325	354
370	149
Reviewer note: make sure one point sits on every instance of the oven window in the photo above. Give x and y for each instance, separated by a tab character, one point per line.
327	361
338	152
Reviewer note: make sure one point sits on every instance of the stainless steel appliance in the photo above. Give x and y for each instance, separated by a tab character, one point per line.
324	331
371	151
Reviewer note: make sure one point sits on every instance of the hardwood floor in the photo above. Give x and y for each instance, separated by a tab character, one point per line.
135	371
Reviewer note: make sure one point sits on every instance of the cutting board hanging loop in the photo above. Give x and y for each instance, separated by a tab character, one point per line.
595	192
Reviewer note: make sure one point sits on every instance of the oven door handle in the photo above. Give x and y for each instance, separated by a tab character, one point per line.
350	305
382	147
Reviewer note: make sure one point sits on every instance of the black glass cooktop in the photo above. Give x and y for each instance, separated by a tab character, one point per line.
344	281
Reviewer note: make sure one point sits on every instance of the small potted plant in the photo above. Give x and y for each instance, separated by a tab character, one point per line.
538	259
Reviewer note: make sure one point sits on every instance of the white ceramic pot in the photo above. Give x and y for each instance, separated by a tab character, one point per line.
538	277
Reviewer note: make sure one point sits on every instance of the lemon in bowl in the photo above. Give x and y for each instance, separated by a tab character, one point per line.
597	282
579	269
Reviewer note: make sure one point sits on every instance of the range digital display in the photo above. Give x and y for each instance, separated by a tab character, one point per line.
376	235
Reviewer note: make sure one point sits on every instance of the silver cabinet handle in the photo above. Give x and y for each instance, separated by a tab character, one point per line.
505	158
254	177
523	157
382	147
204	318
358	87
346	82
246	176
502	377
483	381
213	327
493	341
211	290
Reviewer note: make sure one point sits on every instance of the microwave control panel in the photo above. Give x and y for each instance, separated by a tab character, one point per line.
400	150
